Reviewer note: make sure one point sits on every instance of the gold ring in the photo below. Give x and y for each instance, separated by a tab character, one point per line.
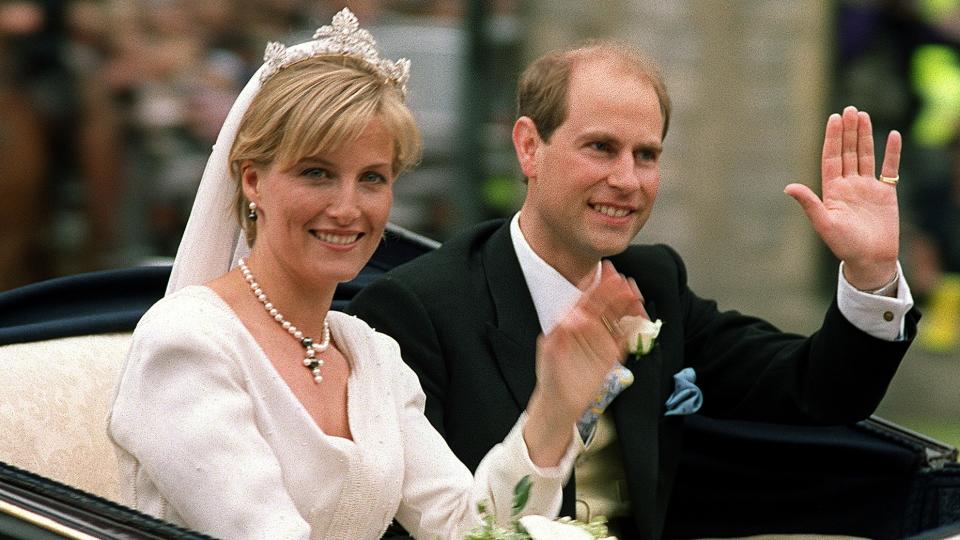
610	328
887	180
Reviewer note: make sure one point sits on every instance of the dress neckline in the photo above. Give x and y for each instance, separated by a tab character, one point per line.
335	320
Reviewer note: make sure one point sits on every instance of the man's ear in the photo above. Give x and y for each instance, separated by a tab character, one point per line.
527	143
250	180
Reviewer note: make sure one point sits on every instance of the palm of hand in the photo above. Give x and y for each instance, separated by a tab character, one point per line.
858	217
862	217
574	359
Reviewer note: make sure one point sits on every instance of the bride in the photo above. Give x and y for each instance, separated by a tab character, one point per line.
248	409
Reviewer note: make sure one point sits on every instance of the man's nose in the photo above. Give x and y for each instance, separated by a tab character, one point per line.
624	174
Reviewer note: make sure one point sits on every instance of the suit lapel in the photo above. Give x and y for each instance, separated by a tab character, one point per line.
637	413
513	327
639	408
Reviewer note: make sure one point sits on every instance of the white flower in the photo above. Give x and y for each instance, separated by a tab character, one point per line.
641	333
541	528
534	527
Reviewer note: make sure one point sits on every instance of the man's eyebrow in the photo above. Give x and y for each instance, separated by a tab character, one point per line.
597	134
650	146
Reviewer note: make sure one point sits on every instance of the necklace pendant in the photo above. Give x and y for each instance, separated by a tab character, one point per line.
310	361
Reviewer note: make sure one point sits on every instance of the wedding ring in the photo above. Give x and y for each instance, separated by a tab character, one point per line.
610	327
887	180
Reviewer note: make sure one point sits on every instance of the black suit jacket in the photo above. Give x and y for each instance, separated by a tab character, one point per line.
466	323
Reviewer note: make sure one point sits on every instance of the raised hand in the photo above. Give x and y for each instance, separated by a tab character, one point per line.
858	217
574	359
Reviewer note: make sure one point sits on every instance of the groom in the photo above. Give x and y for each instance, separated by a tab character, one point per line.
588	139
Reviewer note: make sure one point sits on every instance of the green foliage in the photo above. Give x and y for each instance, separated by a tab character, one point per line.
489	530
521	494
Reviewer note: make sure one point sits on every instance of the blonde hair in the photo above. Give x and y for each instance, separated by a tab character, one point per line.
314	106
543	86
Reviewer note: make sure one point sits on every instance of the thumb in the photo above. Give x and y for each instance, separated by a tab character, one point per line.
811	204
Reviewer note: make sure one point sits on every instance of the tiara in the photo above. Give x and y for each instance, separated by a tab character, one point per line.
343	36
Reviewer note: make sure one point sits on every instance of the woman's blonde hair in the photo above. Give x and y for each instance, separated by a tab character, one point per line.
314	106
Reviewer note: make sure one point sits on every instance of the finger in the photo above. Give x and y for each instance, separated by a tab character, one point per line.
617	296
592	279
641	308
596	344
891	156
602	306
849	152
831	165
600	288
812	205
636	289
866	163
598	291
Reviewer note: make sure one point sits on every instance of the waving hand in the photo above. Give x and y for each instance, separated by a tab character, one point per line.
858	217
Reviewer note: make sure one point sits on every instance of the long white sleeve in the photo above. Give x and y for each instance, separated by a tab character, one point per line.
439	494
185	424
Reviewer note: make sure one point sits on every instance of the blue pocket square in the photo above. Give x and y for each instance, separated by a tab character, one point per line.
687	397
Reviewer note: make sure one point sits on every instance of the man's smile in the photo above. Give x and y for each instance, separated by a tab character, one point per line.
612	211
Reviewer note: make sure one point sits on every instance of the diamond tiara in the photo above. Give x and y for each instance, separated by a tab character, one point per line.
343	36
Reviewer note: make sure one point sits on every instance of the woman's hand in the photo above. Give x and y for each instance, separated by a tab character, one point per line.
574	359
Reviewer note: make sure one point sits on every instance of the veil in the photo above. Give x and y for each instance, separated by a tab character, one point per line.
212	241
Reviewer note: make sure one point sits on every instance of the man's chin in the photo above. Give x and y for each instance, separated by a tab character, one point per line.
610	247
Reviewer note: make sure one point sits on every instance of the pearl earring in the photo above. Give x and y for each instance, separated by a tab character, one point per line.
252	215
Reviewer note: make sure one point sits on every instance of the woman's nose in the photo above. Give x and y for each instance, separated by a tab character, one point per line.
344	207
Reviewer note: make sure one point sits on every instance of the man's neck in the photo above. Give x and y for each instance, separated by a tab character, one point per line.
572	267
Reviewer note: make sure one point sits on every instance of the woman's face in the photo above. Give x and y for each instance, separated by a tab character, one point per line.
322	219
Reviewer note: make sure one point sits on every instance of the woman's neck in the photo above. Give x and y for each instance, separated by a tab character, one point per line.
301	302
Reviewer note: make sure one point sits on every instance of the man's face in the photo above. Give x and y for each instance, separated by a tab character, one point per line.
592	186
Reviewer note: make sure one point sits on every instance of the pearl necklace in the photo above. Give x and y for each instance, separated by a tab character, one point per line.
311	361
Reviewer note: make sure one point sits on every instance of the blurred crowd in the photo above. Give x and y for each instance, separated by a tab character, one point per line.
902	63
108	109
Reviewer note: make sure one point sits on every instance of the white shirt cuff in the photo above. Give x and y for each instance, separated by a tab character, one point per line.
879	316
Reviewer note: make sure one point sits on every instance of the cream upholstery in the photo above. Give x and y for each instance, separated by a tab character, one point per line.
54	397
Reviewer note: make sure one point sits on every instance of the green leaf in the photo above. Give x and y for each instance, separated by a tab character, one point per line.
521	493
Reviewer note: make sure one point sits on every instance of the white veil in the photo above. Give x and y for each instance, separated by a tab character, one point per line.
213	242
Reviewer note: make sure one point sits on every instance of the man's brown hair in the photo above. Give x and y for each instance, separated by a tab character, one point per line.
542	89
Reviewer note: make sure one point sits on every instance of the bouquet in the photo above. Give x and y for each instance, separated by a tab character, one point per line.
536	527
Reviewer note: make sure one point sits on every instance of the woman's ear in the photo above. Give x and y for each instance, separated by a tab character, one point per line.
527	143
250	180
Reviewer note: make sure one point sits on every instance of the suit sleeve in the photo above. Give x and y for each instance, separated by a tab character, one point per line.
749	369
413	328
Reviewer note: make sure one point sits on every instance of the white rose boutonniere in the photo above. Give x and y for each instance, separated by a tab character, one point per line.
641	333
534	527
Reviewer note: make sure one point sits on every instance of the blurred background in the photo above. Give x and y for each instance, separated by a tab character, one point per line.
108	109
